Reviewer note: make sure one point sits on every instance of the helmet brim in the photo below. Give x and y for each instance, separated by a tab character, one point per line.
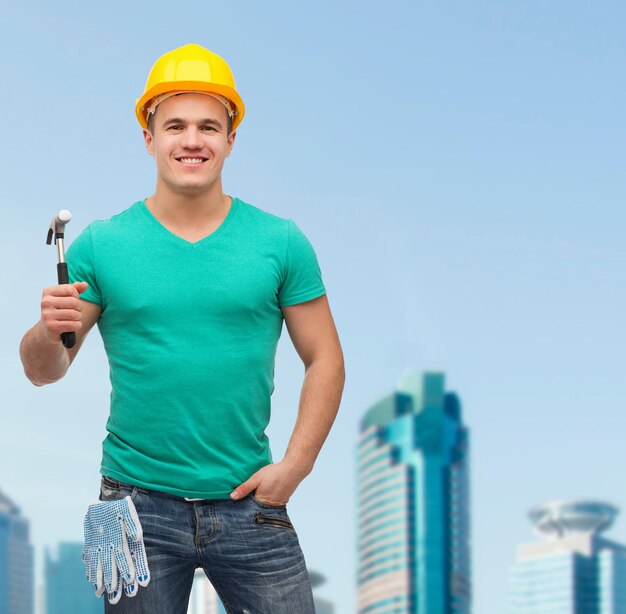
141	106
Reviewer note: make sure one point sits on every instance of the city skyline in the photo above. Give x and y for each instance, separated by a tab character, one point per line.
573	549
65	589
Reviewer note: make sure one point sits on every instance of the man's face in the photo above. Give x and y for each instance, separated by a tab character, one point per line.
189	142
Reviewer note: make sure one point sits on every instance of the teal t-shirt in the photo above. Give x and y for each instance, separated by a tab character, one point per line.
190	331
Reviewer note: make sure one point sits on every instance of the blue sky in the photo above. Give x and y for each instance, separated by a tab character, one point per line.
458	168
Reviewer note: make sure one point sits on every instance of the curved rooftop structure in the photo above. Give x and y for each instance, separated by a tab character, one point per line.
559	518
316	578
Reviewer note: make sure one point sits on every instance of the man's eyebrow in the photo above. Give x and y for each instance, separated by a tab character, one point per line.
215	122
204	122
173	120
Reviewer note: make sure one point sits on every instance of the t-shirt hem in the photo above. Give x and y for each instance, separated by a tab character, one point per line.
178	492
303	298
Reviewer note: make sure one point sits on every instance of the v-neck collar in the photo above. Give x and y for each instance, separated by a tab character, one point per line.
234	205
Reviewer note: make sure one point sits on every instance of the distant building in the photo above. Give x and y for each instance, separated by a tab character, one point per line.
16	561
575	570
40	599
322	606
66	586
204	599
413	502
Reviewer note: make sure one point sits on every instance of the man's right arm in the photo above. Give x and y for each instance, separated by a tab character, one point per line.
44	357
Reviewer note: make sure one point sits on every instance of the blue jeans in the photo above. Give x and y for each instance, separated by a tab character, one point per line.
249	550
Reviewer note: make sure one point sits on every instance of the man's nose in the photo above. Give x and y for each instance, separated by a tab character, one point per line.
191	137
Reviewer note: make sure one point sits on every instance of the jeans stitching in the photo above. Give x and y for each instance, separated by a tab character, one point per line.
198	539
215	515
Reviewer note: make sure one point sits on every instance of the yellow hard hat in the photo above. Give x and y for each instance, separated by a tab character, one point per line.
190	68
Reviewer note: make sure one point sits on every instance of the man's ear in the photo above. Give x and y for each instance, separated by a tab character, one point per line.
231	142
147	139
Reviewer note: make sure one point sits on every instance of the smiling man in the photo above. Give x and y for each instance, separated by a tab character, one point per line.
189	289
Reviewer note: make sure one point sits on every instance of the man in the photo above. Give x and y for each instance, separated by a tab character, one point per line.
189	289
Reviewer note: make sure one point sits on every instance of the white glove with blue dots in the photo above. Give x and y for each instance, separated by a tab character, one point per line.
114	543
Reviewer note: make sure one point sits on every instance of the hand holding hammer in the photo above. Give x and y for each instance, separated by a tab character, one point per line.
57	230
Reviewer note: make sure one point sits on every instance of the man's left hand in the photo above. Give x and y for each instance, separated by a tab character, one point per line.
274	483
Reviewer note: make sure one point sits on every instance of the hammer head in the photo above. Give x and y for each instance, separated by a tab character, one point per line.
57	225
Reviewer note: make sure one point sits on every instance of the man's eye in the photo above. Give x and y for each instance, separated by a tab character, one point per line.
174	127
208	128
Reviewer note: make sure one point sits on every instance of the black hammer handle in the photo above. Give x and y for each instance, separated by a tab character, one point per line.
68	339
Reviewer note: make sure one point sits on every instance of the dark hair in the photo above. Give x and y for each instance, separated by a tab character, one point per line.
229	121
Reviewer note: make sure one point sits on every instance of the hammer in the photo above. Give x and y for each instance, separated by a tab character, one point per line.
57	230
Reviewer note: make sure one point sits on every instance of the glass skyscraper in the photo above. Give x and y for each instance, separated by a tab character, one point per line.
16	561
413	502
575	570
67	588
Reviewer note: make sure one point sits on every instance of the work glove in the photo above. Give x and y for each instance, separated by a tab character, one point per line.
114	554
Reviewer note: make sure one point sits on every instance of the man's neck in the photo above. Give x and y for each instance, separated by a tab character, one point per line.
188	210
190	216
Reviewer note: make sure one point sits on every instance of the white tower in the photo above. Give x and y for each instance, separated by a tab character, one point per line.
574	570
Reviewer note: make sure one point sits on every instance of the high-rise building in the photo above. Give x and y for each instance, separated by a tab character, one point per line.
574	570
413	502
66	585
16	561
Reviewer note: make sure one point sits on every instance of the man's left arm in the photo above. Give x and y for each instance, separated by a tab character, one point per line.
314	336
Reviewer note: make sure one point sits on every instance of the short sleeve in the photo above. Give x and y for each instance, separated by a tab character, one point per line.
81	265
302	279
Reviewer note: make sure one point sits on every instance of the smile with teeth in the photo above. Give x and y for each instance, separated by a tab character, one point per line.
191	160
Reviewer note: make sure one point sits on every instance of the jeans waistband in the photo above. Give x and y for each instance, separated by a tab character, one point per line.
113	483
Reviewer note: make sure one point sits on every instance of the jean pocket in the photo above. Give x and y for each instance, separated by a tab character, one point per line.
273	521
112	490
267	505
